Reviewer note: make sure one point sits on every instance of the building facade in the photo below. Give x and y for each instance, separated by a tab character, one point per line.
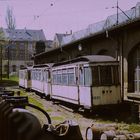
21	45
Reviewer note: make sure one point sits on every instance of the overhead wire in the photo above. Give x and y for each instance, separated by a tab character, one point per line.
36	17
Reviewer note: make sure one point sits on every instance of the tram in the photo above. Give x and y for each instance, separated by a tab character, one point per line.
87	81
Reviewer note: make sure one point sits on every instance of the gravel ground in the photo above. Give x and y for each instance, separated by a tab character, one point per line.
59	114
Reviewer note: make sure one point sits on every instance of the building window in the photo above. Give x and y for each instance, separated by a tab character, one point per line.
14	68
21	66
5	68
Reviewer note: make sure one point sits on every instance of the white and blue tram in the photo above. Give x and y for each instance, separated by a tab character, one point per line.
87	81
40	77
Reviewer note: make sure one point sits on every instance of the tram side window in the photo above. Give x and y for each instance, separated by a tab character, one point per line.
40	76
71	79
54	75
46	76
34	75
37	75
85	76
81	76
59	75
105	75
64	77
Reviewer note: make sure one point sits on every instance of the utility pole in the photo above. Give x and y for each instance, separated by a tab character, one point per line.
0	62
118	8
117	13
8	69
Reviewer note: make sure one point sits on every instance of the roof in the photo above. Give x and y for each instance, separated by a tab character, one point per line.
124	18
27	68
108	23
96	58
89	59
43	65
60	36
24	35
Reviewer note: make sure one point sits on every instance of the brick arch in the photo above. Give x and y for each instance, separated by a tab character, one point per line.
133	59
130	49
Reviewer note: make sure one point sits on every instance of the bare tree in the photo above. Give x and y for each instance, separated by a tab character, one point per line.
10	19
3	42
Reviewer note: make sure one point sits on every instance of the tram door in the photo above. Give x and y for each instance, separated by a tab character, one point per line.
85	86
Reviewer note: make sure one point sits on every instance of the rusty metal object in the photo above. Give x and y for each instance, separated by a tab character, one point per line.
109	132
96	130
108	135
17	125
67	130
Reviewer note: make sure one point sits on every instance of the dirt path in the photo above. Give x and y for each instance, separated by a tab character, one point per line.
59	115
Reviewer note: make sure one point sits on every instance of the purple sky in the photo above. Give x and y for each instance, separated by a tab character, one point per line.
60	16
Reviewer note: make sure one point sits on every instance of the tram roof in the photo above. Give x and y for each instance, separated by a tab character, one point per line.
89	59
28	67
43	65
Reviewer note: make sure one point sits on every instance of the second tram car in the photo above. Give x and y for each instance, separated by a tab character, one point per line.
40	76
87	81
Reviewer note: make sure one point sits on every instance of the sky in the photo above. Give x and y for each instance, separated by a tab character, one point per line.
60	16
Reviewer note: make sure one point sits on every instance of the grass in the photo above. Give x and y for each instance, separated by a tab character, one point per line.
12	81
14	78
31	99
35	102
57	118
135	128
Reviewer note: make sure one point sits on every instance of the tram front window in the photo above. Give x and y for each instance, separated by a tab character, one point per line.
105	75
